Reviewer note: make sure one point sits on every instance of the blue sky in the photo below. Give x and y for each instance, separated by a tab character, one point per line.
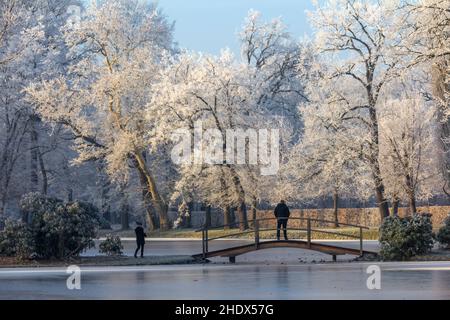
210	25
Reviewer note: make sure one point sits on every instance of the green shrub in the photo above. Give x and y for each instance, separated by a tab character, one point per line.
16	240
64	232
35	204
443	236
403	238
112	246
58	230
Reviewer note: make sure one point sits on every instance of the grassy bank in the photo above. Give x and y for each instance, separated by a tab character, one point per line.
435	255
98	261
371	234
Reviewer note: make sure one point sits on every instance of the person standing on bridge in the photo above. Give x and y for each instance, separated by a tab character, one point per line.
282	214
140	239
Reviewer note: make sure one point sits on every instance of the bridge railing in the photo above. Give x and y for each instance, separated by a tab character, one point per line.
257	230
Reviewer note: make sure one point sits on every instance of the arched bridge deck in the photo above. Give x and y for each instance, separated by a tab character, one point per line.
307	244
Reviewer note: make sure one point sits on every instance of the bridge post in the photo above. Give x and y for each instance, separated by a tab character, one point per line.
256	227
308	230
361	251
203	244
206	239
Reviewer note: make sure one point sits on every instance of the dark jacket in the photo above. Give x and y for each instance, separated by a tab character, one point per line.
140	235
282	211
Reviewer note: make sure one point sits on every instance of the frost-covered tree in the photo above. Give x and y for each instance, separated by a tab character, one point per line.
360	38
38	160
429	44
429	41
273	60
328	160
225	93
21	31
50	61
205	92
408	145
115	54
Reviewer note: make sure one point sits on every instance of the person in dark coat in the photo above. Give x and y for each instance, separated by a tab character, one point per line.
282	214
140	239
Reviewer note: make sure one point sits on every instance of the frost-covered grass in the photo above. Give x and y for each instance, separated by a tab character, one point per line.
371	234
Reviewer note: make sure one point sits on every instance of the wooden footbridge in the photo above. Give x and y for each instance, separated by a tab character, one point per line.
307	244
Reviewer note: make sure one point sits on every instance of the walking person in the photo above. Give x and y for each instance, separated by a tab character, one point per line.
140	239
282	214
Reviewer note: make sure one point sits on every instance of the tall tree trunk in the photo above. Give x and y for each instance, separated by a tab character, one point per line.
43	174
383	206
395	206
4	194
411	195
68	188
2	207
69	194
152	221
233	216
13	140
227	219
124	208
336	209
412	204
105	187
242	207
208	216
254	211
441	85
188	218
382	203
124	220
242	216
34	158
124	215
157	202
445	158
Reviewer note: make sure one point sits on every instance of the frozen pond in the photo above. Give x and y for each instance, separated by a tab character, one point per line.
246	281
266	274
